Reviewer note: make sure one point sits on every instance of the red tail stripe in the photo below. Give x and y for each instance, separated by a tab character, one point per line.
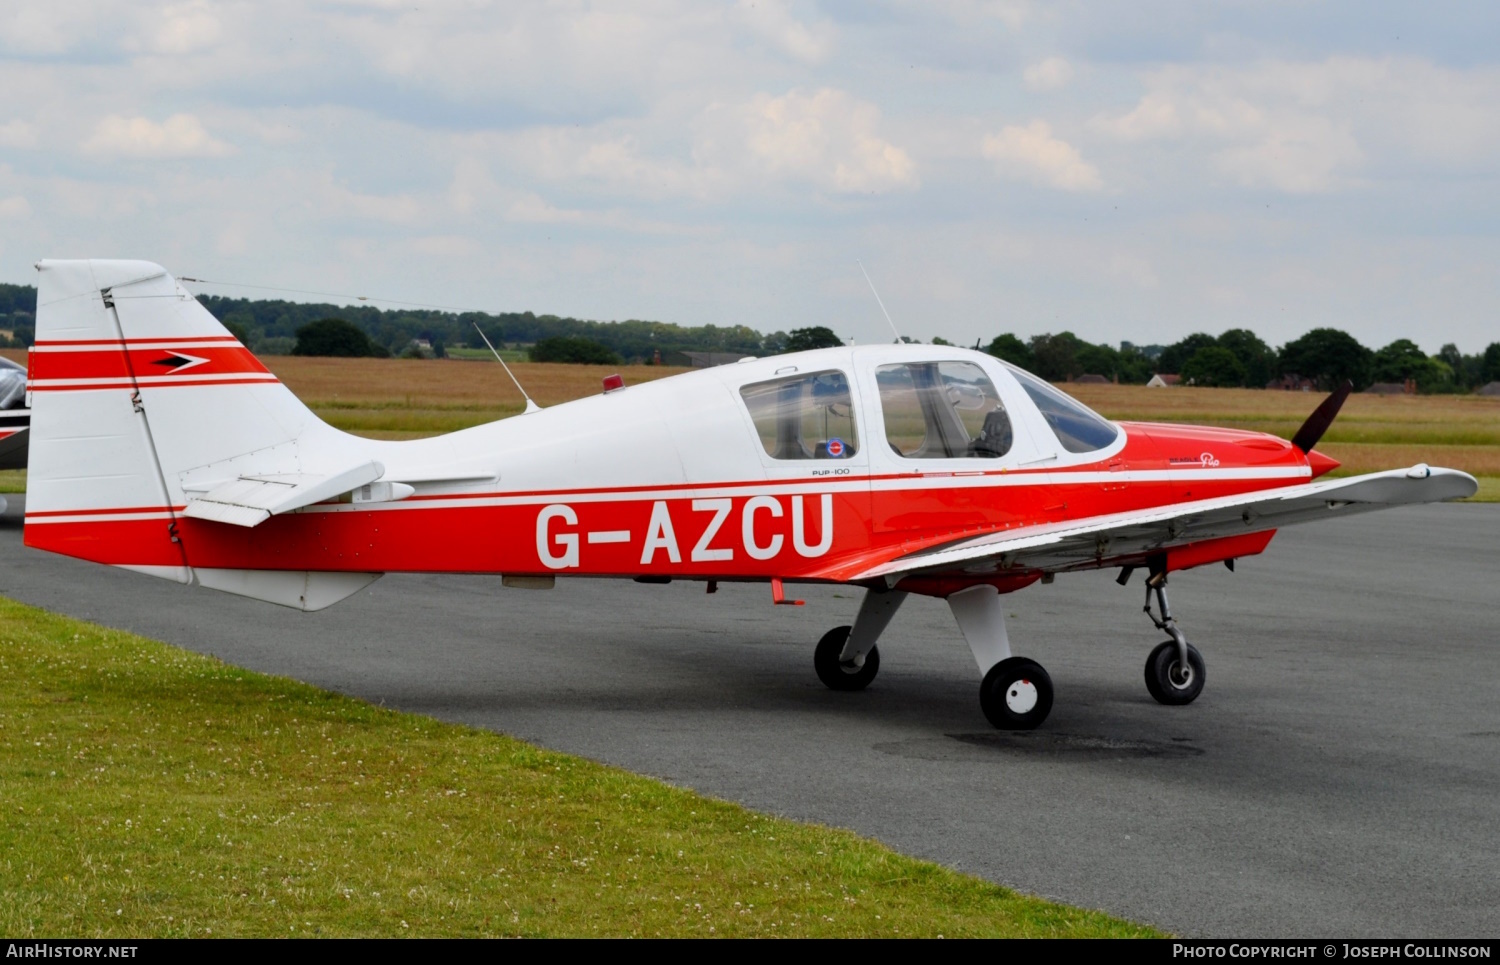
116	364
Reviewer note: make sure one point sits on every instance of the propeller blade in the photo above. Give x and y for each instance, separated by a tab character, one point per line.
1312	430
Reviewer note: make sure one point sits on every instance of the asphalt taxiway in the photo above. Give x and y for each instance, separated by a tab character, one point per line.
1340	775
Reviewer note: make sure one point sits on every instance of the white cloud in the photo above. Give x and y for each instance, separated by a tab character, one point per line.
395	209
726	152
178	28
532	208
42	29
14	207
1318	126
773	21
829	138
1013	13
17	134
179	136
1050	74
1299	155
1034	154
609	161
1154	117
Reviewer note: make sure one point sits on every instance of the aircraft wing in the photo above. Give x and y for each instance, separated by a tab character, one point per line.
1123	538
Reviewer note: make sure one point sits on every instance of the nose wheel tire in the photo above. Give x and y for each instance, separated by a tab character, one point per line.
1169	682
1016	694
838	675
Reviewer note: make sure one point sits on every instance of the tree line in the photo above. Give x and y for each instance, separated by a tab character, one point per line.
270	327
1238	357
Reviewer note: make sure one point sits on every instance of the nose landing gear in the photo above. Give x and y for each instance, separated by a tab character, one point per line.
1175	672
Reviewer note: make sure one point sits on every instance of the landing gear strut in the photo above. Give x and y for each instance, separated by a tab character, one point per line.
1175	672
847	658
1015	692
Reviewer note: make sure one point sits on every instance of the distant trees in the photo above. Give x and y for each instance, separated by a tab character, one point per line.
1213	365
337	338
1325	355
1174	356
1489	368
1328	357
819	336
1239	357
238	331
572	348
1256	357
1065	356
1199	359
1055	357
1011	349
1402	360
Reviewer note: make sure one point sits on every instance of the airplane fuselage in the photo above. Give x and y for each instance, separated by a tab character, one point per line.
672	479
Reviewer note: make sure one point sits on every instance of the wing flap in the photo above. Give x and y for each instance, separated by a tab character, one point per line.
251	500
1123	537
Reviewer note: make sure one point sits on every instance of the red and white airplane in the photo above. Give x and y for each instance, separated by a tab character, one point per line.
162	445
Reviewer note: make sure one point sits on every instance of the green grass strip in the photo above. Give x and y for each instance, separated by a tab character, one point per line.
150	791
1489	490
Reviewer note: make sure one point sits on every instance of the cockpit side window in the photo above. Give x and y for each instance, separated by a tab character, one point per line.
942	410
1078	428
804	416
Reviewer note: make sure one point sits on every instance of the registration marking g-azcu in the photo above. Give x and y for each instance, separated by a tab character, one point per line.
559	540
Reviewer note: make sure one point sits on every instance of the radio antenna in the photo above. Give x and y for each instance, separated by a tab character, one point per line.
877	299
530	405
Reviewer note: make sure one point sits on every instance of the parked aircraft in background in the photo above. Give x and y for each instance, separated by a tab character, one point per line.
15	417
163	446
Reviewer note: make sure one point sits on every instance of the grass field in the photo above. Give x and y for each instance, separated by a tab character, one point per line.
408	399
149	791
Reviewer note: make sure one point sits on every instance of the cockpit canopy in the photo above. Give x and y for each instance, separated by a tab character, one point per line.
927	408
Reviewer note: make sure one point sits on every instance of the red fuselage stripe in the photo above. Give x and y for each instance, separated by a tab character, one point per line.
763	536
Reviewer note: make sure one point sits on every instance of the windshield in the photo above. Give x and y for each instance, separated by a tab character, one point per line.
1078	428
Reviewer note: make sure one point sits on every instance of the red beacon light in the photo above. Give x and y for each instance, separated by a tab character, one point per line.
613	382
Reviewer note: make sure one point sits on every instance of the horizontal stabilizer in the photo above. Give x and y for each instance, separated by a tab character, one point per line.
251	500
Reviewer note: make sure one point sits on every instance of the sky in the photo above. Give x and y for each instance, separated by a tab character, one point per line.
1134	171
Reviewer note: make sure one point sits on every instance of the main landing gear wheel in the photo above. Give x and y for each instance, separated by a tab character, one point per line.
1016	694
835	673
1171	683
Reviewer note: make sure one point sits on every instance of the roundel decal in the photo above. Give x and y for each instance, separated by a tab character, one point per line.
836	448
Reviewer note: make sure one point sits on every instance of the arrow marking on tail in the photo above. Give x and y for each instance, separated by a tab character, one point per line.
179	362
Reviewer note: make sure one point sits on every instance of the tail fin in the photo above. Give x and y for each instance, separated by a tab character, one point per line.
141	397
